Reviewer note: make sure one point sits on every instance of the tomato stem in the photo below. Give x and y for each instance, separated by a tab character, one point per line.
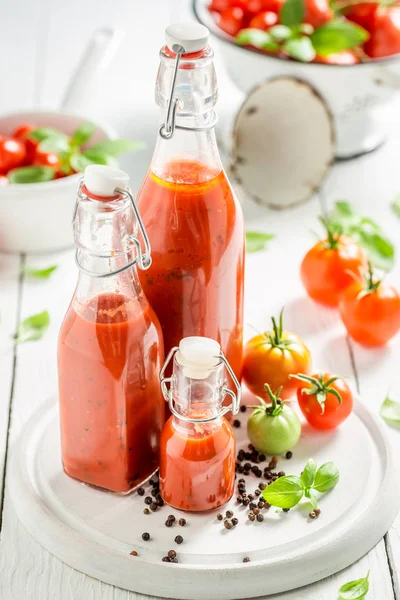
333	235
275	336
371	283
319	388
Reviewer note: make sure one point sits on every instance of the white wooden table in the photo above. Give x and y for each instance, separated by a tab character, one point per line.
50	39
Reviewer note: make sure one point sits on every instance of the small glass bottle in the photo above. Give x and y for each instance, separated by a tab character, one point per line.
110	347
198	447
194	221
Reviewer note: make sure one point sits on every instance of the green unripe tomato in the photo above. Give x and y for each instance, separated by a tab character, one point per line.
273	429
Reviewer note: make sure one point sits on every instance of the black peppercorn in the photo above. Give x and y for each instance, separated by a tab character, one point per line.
228	524
251	516
256	510
165	559
153	506
260	517
236	423
171	554
257	492
281	474
146	511
220	517
246	501
312	515
241	480
262	486
182	522
247	465
148	500
252	505
317	511
243	408
229	514
168	523
246	559
179	539
289	454
286	510
172	518
235	521
145	536
140	491
261	504
262	457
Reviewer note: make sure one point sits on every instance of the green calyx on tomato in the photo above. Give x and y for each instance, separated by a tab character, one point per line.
275	336
273	428
319	388
371	283
332	235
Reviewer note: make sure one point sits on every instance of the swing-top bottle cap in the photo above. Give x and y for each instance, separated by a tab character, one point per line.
193	37
102	180
198	355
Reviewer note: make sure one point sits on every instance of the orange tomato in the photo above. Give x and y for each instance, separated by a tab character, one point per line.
271	357
370	311
331	266
325	399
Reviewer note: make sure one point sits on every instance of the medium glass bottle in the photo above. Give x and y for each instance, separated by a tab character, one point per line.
110	347
195	223
198	447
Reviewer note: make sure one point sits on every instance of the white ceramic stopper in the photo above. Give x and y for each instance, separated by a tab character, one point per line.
192	36
102	180
198	355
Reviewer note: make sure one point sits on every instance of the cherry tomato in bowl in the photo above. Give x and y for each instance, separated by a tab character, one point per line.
370	311
271	357
317	12
264	20
362	14
325	400
331	266
346	57
231	20
12	154
46	159
22	133
385	33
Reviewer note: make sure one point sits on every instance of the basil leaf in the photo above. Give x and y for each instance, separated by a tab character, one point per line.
256	38
80	161
31	174
39	273
83	134
280	33
308	475
55	144
355	590
292	13
337	35
285	492
115	147
326	477
300	49
305	28
390	412
257	240
312	496
45	133
32	328
396	205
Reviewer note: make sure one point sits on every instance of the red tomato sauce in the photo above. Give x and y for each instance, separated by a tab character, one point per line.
111	408
197	464
195	283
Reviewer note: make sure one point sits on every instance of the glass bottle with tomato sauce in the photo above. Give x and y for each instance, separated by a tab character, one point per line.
194	221
198	447
110	348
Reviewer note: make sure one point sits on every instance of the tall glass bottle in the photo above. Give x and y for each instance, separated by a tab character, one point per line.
110	346
194	221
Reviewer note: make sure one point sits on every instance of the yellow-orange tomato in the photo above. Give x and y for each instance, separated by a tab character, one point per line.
271	357
330	267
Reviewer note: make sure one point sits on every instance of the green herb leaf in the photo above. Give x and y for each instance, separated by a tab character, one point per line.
326	477
305	28
79	161
32	328
300	49
55	144
355	590
390	412
285	492
280	33
114	147
308	475
396	205
83	134
345	219
292	13
31	174
45	133
39	273
338	35
257	240
256	38
312	496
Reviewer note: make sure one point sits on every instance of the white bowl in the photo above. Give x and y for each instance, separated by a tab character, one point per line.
37	217
357	95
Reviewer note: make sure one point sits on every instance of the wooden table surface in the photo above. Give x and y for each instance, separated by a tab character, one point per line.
51	36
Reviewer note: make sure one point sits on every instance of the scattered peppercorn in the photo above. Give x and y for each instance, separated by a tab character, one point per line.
140	491
134	553
246	559
165	559
251	497
145	536
168	523
256	510
236	423
317	511
241	480
173	560
257	492
146	511
246	501
179	539
171	518
171	554
289	454
262	457
182	522
312	515
281	474
261	504
286	510
148	500
235	521
267	505
251	516
220	517
229	514
243	408
252	505
228	524
260	518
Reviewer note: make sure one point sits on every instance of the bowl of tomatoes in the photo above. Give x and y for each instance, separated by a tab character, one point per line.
348	51
42	155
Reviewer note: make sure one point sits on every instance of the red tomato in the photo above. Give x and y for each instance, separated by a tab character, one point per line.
385	34
329	405
257	6
221	5
346	57
317	12
21	133
370	311
264	20
47	159
330	266
231	20
363	14
12	154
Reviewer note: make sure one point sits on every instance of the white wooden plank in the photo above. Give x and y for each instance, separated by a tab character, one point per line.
9	276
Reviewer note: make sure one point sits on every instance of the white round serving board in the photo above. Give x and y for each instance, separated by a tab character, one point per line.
94	531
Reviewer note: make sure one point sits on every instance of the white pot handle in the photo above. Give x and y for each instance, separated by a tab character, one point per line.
96	59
